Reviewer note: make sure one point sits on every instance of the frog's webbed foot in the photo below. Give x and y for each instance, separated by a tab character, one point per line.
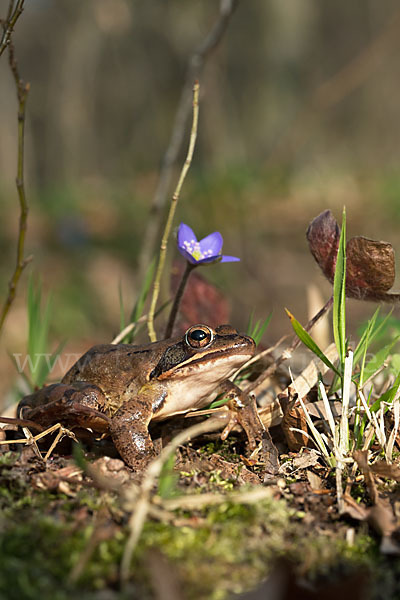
243	412
129	432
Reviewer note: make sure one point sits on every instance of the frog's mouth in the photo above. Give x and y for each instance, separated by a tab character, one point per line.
215	362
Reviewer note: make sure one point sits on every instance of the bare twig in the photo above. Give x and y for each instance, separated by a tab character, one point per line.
8	24
124	332
194	69
21	262
171	214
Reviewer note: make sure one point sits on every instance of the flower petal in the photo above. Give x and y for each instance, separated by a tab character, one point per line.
226	258
211	245
185	234
209	259
187	255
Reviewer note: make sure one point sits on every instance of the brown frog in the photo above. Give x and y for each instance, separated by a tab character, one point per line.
119	389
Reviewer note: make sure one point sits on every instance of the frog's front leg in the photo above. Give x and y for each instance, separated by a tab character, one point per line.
243	411
129	432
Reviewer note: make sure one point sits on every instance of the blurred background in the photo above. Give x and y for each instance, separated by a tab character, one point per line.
299	112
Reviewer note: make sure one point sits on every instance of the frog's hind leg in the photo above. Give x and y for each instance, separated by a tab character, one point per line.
129	432
80	404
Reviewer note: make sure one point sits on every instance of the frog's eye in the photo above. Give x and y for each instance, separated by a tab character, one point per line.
199	336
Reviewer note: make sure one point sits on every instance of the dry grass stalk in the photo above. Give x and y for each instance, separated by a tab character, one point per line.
171	214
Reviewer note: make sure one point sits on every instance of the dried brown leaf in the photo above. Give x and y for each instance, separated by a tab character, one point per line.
370	265
323	235
307	459
317	408
383	469
294	418
315	481
356	510
361	457
380	516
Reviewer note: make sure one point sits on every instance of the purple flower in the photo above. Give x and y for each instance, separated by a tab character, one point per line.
207	250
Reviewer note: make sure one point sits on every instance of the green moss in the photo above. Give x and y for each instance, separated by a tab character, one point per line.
229	552
222	550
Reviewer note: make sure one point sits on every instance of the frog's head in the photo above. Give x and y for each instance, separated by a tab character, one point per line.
193	366
211	354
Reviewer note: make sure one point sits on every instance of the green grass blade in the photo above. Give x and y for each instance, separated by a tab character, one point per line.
23	375
168	481
137	310
307	340
257	331
143	292
250	327
43	368
366	344
372	331
339	295
34	297
220	401
388	396
40	361
360	350
379	358
49	364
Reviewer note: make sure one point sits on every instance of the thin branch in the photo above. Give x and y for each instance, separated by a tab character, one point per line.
124	332
288	352
21	262
9	23
171	214
194	68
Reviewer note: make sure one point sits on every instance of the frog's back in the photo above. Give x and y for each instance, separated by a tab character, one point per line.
90	362
109	366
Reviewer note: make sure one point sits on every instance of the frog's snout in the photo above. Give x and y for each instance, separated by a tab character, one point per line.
250	344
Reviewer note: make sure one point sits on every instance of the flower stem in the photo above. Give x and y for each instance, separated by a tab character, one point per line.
178	297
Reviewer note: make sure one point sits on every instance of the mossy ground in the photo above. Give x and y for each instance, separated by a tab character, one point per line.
54	544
